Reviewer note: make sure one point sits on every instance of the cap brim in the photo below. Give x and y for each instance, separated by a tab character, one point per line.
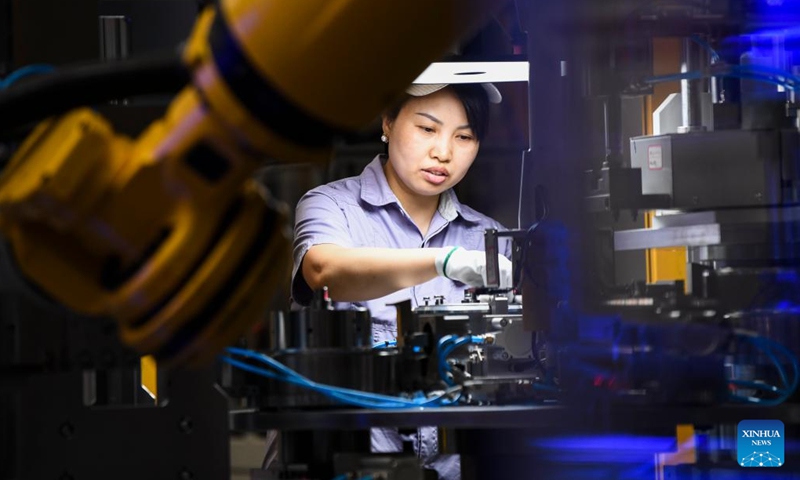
420	90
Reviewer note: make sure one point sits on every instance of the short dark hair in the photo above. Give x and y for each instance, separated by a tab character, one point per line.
474	99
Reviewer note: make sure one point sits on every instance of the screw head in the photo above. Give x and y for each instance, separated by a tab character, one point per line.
186	425
67	430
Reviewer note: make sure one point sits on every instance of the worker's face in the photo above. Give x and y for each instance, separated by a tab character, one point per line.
431	145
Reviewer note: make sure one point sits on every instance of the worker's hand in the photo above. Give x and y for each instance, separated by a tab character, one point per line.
469	266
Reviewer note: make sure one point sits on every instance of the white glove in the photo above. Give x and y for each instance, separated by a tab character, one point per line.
469	266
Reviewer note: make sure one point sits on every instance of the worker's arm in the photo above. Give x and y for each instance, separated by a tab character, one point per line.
326	255
358	274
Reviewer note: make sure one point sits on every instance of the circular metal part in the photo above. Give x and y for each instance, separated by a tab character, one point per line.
516	341
67	430
186	425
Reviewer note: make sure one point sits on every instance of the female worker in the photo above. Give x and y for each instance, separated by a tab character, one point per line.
397	231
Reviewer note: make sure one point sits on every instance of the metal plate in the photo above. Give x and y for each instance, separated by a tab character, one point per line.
628	418
753	226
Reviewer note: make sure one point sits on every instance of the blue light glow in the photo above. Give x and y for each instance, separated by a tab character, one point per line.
786	306
605	448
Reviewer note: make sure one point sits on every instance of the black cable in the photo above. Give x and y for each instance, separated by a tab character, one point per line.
77	86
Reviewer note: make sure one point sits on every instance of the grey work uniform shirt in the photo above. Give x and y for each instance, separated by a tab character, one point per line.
363	211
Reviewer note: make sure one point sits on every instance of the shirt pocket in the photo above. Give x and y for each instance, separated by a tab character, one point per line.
361	227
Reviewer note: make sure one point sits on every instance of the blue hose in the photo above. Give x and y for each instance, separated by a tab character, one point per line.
36	69
768	346
353	397
447	345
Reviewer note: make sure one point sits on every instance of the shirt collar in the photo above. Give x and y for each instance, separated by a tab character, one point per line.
375	190
450	208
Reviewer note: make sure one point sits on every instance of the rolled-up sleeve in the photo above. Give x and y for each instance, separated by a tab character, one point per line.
318	219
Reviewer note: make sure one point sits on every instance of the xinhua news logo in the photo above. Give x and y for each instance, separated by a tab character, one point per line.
760	443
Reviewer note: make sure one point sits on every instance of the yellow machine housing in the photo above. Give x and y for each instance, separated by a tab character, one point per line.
168	233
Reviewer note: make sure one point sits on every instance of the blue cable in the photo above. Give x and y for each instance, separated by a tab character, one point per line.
264	359
35	69
446	347
749	72
674	77
714	55
303	381
789	355
774	359
545	387
345	395
760	78
766	74
446	340
337	390
767	70
757	386
297	379
342	398
386	344
443	367
334	392
766	346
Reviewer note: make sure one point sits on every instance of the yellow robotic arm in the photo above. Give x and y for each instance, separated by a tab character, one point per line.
168	234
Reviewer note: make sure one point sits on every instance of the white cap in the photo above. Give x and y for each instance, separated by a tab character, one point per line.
422	89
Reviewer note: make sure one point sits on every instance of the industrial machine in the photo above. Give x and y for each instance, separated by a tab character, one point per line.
582	370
